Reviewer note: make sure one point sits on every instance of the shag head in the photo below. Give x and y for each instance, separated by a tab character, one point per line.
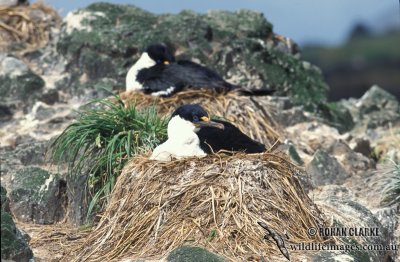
195	115
160	54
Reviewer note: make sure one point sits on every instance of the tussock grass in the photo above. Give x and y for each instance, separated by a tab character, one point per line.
392	189
103	138
252	115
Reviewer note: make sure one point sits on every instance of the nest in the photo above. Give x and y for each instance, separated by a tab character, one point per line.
249	114
28	25
214	202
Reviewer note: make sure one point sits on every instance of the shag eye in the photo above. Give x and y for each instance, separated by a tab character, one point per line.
195	119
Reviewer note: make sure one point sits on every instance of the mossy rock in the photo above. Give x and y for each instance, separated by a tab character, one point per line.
22	90
239	45
192	254
3	196
13	245
37	196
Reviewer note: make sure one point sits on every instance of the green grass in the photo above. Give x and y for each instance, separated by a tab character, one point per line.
102	139
392	190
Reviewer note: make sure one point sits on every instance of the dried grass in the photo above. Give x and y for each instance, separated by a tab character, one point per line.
28	24
214	202
243	111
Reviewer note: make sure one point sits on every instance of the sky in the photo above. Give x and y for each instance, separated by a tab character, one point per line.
305	21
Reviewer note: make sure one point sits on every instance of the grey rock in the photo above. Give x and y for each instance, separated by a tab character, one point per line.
238	45
43	112
78	201
50	97
326	256
31	152
352	161
325	169
362	146
37	196
18	85
193	254
12	67
375	108
336	115
289	148
350	214
5	202
6	113
14	244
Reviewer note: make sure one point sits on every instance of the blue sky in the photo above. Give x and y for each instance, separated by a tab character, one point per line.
305	21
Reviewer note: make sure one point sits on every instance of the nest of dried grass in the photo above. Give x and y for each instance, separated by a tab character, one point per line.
27	24
214	202
249	114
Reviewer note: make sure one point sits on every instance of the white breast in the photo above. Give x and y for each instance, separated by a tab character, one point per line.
182	141
144	62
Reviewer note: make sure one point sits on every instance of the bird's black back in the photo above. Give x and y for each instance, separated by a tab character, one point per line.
198	76
179	75
230	138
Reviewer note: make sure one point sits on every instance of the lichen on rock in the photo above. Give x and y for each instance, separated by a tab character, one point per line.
240	46
37	196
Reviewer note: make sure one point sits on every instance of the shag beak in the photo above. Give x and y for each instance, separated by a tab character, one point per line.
166	63
207	122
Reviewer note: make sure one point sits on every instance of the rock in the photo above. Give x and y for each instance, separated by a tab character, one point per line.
361	145
50	97
14	244
336	115
290	150
326	256
347	213
77	199
37	196
5	202
192	254
5	113
310	136
374	109
352	161
325	169
238	45
42	111
19	85
31	152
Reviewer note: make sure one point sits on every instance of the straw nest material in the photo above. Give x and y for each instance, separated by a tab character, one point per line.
250	114
26	24
214	202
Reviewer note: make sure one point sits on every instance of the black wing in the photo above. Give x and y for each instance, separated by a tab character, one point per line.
190	74
153	80
230	138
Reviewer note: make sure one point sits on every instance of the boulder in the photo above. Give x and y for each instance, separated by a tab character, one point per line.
353	162
325	169
5	202
193	254
37	196
336	203
375	108
240	46
6	113
14	246
19	86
